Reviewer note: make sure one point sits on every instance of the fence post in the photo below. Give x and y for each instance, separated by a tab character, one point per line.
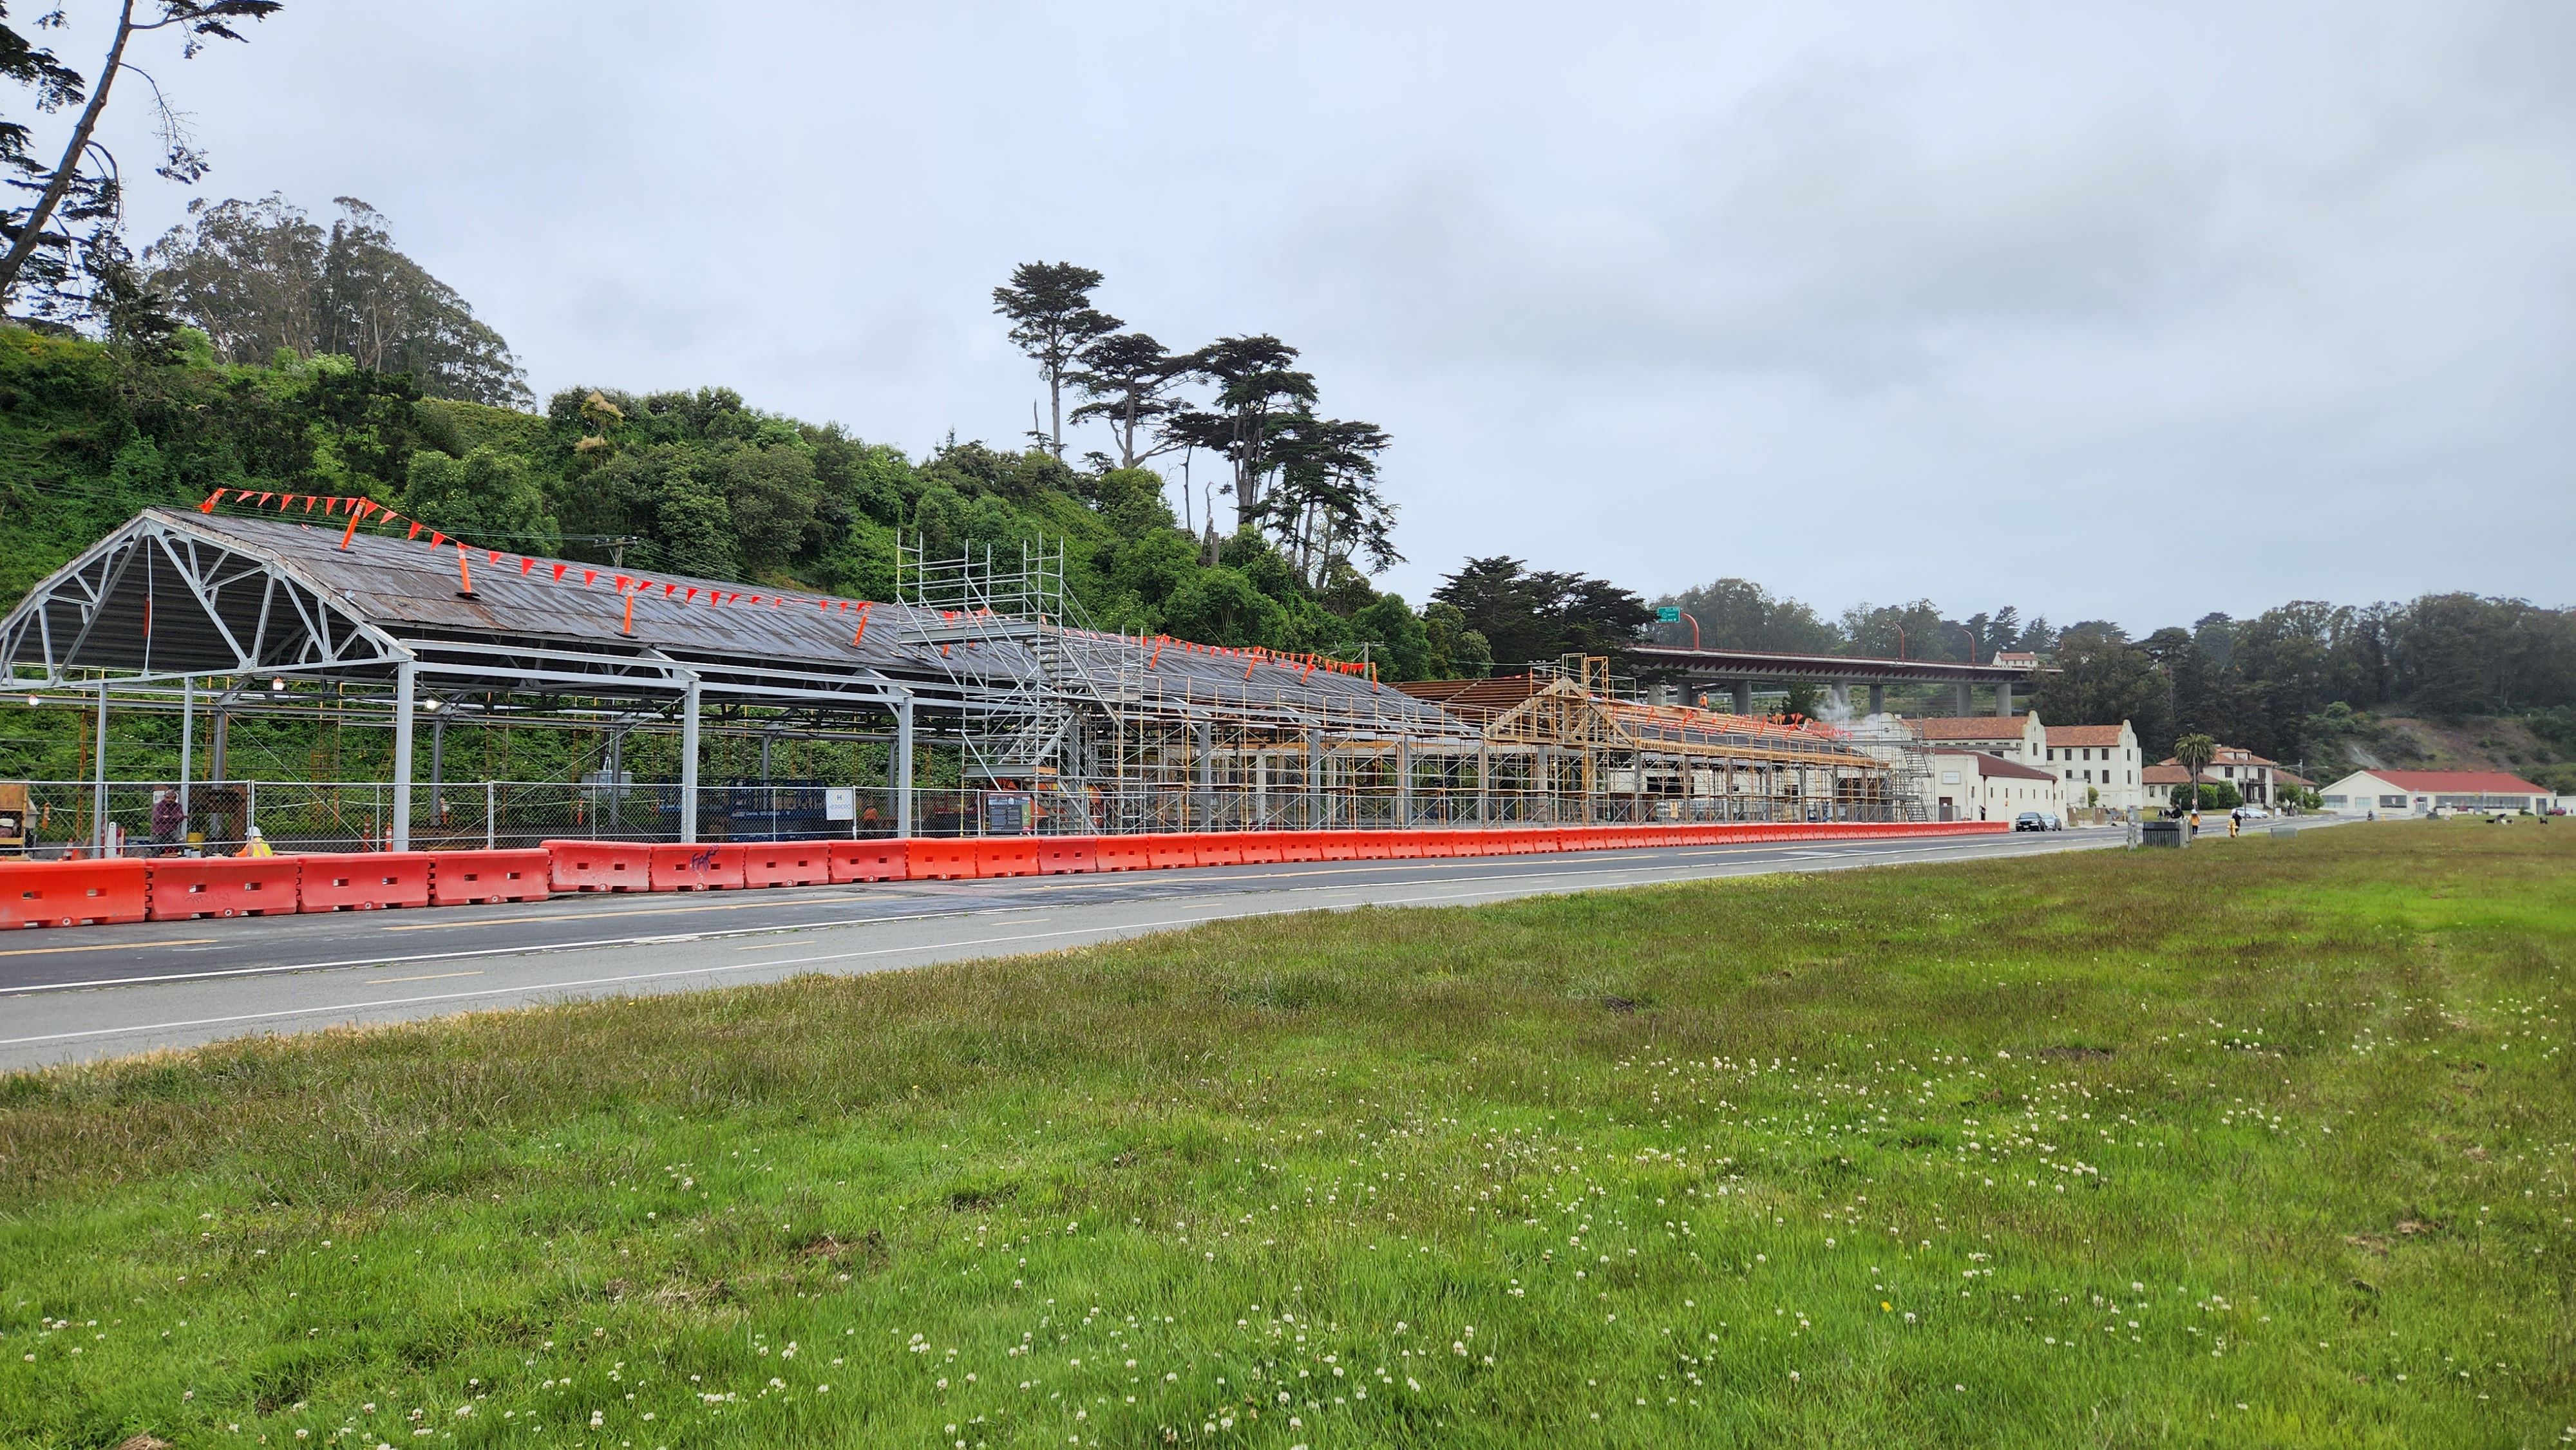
490	827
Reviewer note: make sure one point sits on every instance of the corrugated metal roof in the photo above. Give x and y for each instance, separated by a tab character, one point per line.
410	589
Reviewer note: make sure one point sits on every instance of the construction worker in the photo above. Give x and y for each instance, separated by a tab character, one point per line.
257	845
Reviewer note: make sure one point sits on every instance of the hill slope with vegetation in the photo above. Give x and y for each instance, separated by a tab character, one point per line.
700	482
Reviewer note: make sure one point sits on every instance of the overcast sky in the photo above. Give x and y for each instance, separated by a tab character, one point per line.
1991	304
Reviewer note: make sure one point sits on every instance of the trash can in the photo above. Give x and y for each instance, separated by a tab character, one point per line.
2163	833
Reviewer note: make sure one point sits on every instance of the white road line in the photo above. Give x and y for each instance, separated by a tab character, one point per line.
711	970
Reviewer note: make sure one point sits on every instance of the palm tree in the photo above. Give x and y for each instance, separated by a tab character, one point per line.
2194	753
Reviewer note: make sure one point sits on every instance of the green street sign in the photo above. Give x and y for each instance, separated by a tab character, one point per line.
1668	615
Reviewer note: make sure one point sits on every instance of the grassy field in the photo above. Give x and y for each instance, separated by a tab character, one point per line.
2264	1143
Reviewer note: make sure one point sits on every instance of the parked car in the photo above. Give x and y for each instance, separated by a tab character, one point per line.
2054	823
2030	821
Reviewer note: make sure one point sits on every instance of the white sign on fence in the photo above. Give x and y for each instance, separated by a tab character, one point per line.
840	803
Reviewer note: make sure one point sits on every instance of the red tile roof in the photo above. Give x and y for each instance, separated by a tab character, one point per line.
1970	727
2458	782
2060	736
2170	774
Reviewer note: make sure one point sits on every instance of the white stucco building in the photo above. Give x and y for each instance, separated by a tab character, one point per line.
2099	762
1971	785
2422	792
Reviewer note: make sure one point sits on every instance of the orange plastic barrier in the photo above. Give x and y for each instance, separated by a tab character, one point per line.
1122	853
599	865
185	887
461	878
1299	845
941	858
698	867
69	893
1067	855
997	856
786	863
362	880
1261	848
1337	845
1167	851
1223	848
878	860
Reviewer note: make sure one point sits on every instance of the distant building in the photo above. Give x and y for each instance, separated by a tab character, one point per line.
1972	785
2255	778
2422	792
2102	762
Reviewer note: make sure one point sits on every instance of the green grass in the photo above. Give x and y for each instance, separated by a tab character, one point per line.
2262	1143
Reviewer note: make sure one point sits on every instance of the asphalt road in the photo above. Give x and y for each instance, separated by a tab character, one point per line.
81	994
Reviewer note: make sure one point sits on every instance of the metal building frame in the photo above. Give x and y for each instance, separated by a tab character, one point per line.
980	663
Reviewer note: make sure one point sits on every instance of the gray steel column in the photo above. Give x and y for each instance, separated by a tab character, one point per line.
1743	697
405	677
1314	780
2003	698
187	746
900	777
688	765
1878	699
98	779
1962	690
1404	783
1484	784
1205	743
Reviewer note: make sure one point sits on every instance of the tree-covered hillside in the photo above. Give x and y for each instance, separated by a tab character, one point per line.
699	482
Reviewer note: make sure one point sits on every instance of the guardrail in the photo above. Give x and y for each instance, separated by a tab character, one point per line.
176	888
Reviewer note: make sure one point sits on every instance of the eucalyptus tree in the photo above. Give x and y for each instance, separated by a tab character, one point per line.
84	188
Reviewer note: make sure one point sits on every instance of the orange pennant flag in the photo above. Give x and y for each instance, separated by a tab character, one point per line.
212	499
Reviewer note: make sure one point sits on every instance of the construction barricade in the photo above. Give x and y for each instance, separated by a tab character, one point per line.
1224	848
1122	853
998	856
362	880
186	887
598	865
786	863
941	858
1164	852
73	893
697	867
877	860
1066	855
463	878
1260	848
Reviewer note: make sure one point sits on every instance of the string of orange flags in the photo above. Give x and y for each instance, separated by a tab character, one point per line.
362	511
